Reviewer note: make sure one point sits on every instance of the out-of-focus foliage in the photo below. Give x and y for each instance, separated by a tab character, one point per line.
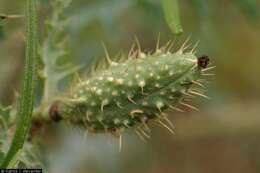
54	52
1	29
172	15
222	137
249	7
29	156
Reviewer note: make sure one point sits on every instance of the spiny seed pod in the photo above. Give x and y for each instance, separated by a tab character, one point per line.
131	93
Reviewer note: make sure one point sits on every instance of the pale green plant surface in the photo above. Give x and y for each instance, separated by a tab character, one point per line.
132	92
53	51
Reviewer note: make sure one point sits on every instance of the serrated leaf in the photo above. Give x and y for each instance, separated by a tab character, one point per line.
54	49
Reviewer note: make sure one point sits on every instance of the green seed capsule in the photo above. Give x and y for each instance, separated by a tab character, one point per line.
132	93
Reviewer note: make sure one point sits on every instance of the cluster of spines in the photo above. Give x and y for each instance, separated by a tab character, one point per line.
132	93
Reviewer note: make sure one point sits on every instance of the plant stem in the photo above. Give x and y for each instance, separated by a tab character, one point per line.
26	101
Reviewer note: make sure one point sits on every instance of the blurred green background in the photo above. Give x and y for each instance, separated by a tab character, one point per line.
224	136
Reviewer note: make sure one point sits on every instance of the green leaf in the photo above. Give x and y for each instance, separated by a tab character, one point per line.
172	16
26	101
54	50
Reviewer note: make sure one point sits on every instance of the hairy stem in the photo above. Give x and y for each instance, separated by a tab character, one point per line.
27	96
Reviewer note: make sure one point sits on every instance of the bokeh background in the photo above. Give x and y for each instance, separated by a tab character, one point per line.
224	136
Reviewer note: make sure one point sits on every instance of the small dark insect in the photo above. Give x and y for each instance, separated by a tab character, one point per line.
203	61
54	112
